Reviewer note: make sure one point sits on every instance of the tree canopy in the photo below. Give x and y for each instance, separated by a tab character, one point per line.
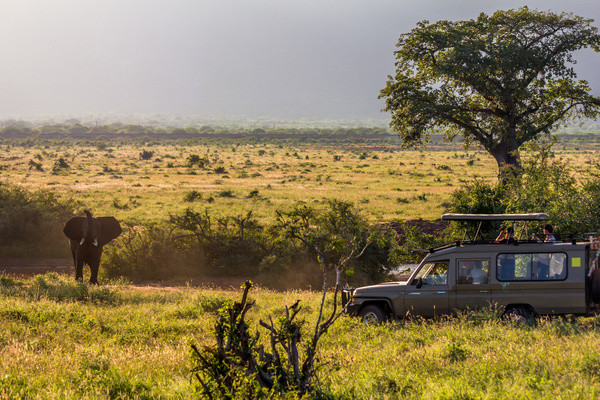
499	80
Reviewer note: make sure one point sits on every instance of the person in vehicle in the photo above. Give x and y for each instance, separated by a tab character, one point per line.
506	235
506	267
478	275
548	234
438	274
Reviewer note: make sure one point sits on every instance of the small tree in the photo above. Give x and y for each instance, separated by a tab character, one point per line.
498	80
237	367
146	154
335	241
195	159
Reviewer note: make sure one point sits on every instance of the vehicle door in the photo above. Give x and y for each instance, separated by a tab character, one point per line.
427	294
472	290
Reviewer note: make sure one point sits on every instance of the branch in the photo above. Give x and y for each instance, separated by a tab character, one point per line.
334	315
317	325
479	135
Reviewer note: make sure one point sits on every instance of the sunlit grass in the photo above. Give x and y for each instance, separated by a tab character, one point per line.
123	341
386	182
119	183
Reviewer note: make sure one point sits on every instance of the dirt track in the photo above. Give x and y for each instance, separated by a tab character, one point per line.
19	266
22	266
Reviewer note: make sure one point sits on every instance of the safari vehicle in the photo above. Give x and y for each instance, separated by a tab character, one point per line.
523	277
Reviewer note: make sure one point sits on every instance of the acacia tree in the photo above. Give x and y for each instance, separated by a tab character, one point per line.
499	80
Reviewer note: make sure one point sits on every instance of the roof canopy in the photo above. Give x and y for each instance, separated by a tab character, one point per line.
495	217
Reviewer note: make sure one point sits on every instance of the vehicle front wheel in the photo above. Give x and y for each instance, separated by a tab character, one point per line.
372	315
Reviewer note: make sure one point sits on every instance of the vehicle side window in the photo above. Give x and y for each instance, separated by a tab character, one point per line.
474	272
435	273
523	267
531	267
549	266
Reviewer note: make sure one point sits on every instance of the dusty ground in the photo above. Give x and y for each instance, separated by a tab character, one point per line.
22	266
28	267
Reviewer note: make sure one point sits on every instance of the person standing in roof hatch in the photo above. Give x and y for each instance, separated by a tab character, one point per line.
548	234
506	236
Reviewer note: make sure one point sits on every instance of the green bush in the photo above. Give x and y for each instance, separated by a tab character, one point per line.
150	253
31	222
288	267
146	154
549	185
231	245
192	196
414	238
340	231
198	244
544	185
478	197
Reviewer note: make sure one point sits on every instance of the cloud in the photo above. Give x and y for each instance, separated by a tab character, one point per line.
288	59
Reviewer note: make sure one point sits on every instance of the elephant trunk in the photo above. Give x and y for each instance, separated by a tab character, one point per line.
90	230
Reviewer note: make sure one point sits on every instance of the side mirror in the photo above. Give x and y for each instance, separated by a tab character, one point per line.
419	283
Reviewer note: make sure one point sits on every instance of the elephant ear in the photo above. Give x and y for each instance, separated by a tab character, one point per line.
109	229
74	228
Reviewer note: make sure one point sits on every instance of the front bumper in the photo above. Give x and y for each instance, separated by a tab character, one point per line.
351	309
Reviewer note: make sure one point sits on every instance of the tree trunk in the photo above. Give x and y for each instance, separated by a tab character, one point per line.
509	161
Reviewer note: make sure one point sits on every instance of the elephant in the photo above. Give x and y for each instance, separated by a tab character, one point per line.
87	236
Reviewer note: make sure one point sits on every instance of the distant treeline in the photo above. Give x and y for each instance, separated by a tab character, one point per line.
57	131
25	132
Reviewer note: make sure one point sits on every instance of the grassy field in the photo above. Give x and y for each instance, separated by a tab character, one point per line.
61	340
385	181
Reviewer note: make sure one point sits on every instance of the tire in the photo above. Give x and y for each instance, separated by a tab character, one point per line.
521	315
372	315
596	286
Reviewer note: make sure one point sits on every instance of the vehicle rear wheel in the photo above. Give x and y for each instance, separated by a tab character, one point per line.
519	315
372	315
596	286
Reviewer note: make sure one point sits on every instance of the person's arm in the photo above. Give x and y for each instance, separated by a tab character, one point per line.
501	235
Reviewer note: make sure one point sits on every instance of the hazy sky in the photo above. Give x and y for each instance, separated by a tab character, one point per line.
287	59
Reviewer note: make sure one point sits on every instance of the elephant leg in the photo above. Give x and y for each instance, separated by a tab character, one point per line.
94	263
74	254
79	267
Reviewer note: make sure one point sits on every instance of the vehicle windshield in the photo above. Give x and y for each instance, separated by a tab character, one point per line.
434	273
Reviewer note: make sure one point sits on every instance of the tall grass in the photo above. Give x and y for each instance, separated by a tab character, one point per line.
465	358
120	341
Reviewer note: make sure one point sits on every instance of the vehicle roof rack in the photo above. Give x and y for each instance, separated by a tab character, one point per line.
481	218
496	217
437	248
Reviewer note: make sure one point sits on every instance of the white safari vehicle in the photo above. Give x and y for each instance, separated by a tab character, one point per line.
522	276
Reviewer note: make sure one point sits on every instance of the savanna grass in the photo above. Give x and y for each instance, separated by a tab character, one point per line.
114	180
66	340
240	175
465	358
129	341
62	339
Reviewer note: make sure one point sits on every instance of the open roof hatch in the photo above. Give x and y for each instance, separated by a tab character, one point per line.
481	218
